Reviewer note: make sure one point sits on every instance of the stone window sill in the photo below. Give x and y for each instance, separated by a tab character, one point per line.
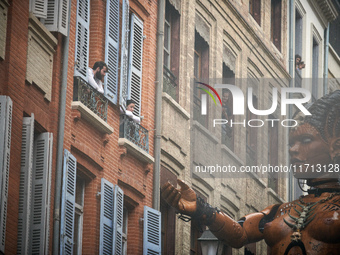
91	117
136	151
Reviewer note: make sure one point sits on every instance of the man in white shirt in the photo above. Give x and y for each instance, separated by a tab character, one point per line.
96	75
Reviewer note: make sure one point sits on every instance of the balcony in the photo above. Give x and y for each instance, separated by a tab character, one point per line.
169	83
91	104
135	138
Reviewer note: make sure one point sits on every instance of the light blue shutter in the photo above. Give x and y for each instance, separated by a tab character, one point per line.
106	218
57	16
135	62
39	8
5	146
25	188
118	207
68	203
82	39
124	61
41	193
112	49
152	232
111	218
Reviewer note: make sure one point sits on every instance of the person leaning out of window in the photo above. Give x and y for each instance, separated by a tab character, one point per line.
96	75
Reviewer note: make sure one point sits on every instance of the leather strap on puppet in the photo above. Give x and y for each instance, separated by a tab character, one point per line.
247	230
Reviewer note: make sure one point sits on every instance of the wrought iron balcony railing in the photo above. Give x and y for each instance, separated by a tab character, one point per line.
90	97
134	132
169	83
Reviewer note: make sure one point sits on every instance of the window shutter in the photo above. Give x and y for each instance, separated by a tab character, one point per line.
112	49
82	39
25	188
152	231
5	146
111	218
135	62
57	16
106	218
63	16
41	191
68	203
118	206
124	62
39	8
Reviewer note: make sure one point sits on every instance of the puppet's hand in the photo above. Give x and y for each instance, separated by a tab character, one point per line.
183	199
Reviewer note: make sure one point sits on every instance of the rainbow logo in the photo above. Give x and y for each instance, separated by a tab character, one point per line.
209	93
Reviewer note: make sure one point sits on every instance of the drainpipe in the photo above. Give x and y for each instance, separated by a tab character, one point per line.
60	145
325	70
291	72
158	107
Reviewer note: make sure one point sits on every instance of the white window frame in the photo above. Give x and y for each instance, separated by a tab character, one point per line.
125	230
79	210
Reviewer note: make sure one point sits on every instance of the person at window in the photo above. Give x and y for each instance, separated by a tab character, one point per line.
96	75
130	107
309	225
299	65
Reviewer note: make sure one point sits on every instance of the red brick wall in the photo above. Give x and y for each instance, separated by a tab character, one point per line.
96	159
105	160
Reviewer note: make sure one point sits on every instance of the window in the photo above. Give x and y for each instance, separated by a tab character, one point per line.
315	69
201	73
34	190
5	148
152	231
111	218
3	27
131	61
167	39
298	46
78	216
52	13
276	23
57	16
125	228
82	39
171	50
135	62
38	8
334	31
227	107
298	33
255	10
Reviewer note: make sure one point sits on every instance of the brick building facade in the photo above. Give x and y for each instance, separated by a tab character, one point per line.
218	42
92	167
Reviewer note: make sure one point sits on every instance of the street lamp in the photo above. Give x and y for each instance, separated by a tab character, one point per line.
209	243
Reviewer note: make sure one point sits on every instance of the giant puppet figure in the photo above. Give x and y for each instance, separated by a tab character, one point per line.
309	225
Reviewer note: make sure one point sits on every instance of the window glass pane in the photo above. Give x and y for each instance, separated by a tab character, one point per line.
80	191
76	233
